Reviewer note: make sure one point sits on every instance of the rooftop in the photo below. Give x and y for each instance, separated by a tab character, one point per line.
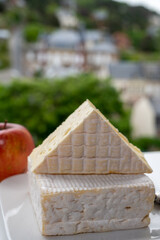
69	38
64	38
131	70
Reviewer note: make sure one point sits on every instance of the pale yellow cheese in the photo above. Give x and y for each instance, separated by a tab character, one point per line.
71	204
87	143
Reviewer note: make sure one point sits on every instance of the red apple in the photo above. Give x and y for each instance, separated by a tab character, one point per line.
16	144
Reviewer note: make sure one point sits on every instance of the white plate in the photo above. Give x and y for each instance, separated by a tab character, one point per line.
20	221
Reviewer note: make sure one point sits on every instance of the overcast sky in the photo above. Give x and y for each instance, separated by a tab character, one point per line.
151	4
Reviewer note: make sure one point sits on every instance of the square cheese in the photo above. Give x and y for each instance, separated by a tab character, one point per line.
72	204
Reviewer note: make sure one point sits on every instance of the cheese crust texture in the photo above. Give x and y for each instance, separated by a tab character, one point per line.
87	143
71	204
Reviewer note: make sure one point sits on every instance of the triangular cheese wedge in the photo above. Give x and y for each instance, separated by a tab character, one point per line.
87	143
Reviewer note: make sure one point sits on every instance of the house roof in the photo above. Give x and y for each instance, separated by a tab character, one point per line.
93	35
151	70
125	70
4	34
104	47
131	70
67	38
64	38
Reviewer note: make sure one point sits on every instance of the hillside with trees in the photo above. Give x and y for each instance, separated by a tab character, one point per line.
108	15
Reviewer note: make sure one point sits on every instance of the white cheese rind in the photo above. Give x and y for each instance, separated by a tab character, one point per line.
87	143
71	204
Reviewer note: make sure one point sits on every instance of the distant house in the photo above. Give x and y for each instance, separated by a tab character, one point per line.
143	118
154	25
92	37
62	48
64	38
100	15
4	34
136	81
67	18
151	71
125	70
62	72
83	49
130	71
102	54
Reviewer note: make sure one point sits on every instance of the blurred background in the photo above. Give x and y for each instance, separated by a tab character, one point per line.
56	54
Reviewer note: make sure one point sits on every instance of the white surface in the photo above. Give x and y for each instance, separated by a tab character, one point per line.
153	158
20	222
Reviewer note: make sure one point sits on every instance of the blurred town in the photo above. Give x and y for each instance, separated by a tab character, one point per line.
65	39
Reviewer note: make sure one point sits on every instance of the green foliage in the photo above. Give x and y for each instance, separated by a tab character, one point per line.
32	31
50	12
42	105
2	6
3	46
142	41
41	6
15	15
51	9
139	56
4	61
149	44
45	11
31	15
147	144
157	40
3	23
128	56
4	55
136	36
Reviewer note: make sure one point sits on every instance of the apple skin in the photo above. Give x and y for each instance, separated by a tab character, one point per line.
16	144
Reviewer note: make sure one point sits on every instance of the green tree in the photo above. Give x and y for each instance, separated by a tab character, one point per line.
4	55
32	31
15	16
50	12
149	44
147	144
45	10
42	105
136	36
